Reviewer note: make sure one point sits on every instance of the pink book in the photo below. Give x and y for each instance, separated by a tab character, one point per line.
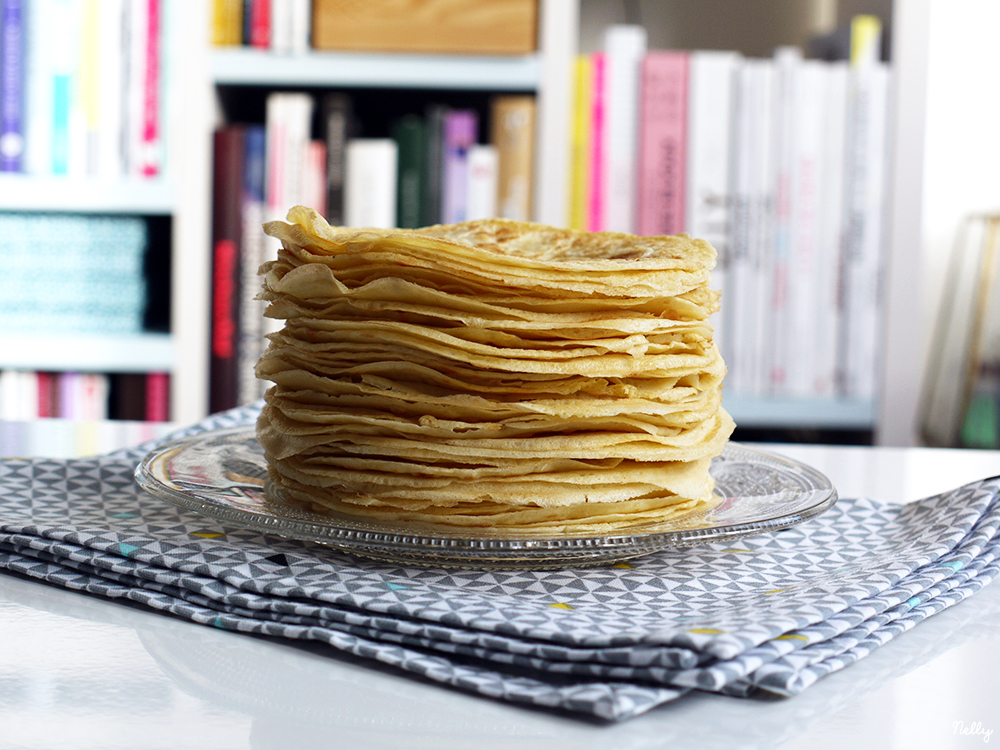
595	218
149	136
460	132
157	397
663	104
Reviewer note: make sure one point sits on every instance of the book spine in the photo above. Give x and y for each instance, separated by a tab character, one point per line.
85	149
258	23
483	181
662	153
48	396
251	311
787	61
409	134
597	138
39	100
804	293
299	26
63	57
227	22
434	154
150	157
460	131
12	85
110	74
624	47
370	191
157	397
226	239
579	180
512	134
830	231
336	119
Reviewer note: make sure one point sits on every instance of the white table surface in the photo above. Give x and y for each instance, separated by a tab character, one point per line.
80	672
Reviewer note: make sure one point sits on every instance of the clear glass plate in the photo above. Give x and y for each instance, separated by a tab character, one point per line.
223	474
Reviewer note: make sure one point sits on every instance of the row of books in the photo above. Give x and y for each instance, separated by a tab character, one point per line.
263	24
431	168
27	395
82	87
780	164
72	273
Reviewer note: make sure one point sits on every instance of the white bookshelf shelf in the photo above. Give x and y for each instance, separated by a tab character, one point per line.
239	66
146	352
21	192
833	413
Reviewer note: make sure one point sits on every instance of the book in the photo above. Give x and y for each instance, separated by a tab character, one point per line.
624	47
314	176
157	397
39	104
336	124
512	135
595	212
370	188
227	23
459	134
410	136
251	256
746	314
662	146
482	182
580	134
227	225
708	202
13	33
288	118
434	116
861	261
257	22
110	70
63	53
147	81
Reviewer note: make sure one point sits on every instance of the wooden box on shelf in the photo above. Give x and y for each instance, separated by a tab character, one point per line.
489	27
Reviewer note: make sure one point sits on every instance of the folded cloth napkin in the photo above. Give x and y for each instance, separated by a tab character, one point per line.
773	612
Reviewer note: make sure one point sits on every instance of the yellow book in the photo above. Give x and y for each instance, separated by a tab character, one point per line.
227	23
579	177
866	40
89	81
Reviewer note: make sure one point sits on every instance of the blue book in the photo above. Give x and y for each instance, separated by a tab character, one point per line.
12	80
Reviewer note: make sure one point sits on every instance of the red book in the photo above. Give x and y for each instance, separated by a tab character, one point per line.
663	101
157	397
260	24
48	394
227	222
150	133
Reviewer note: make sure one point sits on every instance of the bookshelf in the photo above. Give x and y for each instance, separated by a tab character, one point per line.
102	193
205	72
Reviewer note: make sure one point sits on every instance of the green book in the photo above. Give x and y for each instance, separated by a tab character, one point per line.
410	136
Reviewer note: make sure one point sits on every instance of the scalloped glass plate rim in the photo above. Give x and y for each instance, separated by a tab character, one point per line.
248	504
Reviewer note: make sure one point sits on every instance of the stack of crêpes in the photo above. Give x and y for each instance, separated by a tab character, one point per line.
491	376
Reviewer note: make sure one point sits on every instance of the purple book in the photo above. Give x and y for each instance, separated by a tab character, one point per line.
461	127
12	86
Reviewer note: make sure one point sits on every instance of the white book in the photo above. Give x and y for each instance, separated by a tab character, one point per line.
281	26
787	61
299	25
865	228
288	119
748	312
111	99
624	48
804	280
711	81
40	93
829	232
370	172
482	185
